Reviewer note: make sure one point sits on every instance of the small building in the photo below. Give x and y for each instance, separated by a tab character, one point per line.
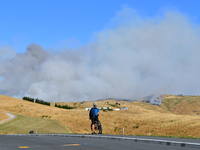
117	109
125	108
87	109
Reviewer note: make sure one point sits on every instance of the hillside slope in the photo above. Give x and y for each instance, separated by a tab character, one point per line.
44	124
3	116
140	119
182	105
25	124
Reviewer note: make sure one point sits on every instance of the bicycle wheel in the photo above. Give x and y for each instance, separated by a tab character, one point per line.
99	127
96	126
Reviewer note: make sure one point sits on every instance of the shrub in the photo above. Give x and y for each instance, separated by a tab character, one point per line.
42	102
114	105
137	126
82	102
109	109
28	99
64	106
36	101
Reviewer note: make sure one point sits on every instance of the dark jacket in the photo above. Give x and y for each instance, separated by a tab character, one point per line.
93	113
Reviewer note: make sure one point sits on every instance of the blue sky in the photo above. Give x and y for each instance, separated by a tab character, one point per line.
138	43
50	22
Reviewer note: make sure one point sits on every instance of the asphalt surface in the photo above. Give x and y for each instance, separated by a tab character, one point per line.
85	142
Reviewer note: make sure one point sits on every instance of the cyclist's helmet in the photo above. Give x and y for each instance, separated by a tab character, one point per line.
94	104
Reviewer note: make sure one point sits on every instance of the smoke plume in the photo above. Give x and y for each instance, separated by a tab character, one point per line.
135	57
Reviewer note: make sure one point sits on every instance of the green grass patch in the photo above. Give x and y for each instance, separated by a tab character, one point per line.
114	105
24	124
169	103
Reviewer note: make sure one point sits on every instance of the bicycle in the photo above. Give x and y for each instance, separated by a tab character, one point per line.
97	126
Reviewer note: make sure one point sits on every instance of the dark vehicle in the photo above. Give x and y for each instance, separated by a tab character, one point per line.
97	127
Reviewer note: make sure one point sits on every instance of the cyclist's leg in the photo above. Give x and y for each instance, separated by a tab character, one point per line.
98	122
98	125
93	122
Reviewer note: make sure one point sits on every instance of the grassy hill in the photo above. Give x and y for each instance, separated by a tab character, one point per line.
30	116
183	105
177	116
24	124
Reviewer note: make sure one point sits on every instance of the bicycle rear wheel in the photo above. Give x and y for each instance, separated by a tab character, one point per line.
99	127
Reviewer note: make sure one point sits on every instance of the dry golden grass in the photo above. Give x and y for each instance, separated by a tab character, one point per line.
140	119
3	116
184	105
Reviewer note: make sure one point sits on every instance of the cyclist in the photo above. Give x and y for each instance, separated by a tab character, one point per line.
94	113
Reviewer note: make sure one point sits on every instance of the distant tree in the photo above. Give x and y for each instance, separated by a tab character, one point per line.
64	106
28	99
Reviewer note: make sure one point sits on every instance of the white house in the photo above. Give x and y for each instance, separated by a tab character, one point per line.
98	108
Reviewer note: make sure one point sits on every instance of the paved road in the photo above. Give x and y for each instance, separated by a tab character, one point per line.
57	142
11	116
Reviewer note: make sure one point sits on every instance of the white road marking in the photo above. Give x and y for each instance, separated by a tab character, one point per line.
10	115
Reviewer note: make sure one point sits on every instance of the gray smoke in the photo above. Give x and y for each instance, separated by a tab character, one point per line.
156	100
129	60
152	99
